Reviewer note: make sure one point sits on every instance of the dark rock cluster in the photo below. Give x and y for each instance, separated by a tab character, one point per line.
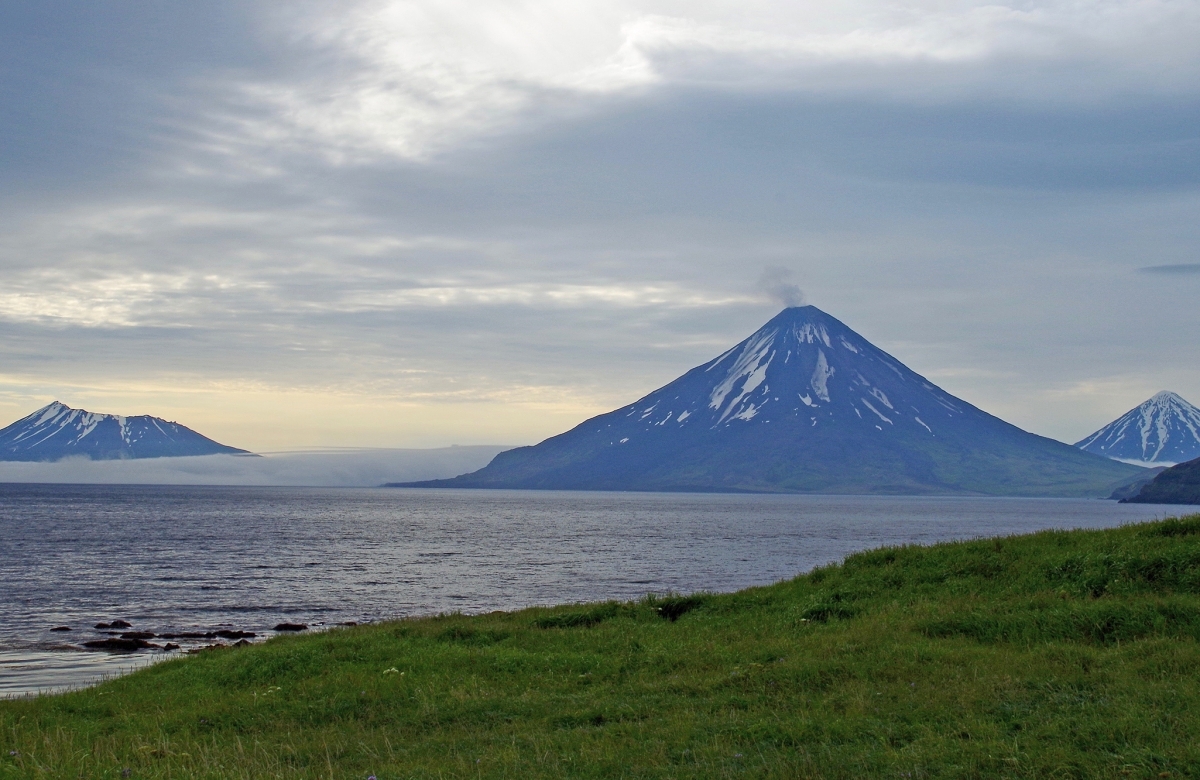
116	639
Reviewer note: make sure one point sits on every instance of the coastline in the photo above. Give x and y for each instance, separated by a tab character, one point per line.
31	673
1016	655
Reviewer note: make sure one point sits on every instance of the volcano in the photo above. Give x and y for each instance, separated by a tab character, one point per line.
57	431
1163	431
803	405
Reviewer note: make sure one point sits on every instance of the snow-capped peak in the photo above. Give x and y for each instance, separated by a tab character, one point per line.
803	365
56	431
1163	431
803	404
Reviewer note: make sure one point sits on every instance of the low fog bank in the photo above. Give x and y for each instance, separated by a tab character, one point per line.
314	468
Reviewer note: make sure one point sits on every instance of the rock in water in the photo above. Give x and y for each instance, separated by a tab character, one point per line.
115	624
1163	431
805	404
120	645
57	431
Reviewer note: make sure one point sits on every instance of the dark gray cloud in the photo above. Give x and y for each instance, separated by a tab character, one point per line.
91	90
1173	269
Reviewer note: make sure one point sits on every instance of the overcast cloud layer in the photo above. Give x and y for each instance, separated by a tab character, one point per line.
422	223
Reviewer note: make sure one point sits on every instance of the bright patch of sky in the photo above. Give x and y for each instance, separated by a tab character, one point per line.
425	223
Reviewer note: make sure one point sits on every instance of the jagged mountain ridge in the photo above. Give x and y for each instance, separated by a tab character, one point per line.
804	404
57	431
1164	430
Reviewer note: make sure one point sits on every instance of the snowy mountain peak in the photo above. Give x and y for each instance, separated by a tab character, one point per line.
57	431
1163	431
60	414
804	404
803	363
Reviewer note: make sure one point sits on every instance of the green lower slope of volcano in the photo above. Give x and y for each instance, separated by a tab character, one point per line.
797	459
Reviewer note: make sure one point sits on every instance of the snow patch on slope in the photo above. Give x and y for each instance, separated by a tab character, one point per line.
747	373
820	377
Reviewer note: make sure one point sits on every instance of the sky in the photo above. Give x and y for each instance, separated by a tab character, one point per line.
417	224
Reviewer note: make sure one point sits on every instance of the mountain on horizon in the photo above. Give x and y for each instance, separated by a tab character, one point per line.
1163	431
57	431
804	404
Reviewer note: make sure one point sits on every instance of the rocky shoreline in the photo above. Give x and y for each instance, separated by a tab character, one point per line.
120	636
94	652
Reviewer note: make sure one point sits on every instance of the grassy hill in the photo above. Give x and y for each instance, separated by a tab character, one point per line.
1179	484
1059	654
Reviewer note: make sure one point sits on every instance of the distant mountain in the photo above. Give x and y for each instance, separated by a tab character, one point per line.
1179	484
803	405
1133	486
57	431
1165	430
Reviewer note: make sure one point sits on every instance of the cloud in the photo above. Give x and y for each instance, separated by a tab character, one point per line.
1172	269
345	468
777	284
413	79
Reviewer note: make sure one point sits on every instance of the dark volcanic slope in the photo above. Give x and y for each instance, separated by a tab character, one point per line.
1176	485
805	404
57	431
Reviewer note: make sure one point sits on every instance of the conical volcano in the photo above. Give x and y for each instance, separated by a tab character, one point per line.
1163	431
805	404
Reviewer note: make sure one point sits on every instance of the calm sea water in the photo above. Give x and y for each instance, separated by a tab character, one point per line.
178	559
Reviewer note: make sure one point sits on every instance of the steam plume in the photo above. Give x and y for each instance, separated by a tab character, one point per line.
778	284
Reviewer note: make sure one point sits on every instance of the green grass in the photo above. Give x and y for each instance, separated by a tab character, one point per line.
1055	655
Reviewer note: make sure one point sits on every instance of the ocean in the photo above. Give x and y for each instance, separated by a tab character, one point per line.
187	559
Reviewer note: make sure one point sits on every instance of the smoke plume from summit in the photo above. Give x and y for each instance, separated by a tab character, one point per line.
777	283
